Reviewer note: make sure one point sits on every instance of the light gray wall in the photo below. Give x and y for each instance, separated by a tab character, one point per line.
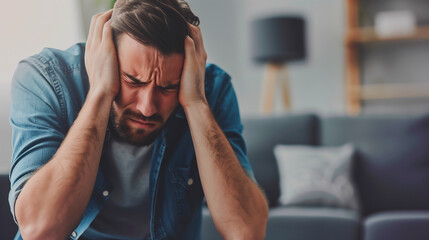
317	84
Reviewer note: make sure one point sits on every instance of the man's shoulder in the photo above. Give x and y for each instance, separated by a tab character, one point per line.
72	57
218	86
215	73
216	79
55	69
59	74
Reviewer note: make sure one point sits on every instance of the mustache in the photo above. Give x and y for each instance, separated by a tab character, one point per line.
141	117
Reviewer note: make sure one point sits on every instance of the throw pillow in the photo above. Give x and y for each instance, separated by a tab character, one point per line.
316	176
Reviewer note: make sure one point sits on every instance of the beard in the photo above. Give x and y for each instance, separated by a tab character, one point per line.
134	136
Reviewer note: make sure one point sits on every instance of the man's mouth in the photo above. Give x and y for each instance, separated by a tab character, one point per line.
142	124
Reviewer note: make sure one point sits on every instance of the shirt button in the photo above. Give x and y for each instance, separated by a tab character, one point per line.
190	181
74	234
105	193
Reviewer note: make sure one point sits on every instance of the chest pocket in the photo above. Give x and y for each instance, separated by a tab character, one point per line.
187	192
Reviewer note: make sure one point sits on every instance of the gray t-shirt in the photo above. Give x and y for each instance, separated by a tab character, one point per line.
126	213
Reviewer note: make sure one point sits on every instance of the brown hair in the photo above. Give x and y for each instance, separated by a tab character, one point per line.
162	24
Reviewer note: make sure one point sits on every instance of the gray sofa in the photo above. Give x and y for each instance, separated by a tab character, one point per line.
391	171
8	227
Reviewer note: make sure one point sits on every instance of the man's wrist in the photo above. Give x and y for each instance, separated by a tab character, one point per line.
196	106
101	95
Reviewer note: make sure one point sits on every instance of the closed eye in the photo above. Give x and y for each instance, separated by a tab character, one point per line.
136	82
132	80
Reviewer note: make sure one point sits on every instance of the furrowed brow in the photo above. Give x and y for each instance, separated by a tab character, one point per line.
136	80
133	78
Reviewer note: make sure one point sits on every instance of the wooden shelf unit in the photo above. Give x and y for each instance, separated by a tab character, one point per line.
355	91
391	91
368	35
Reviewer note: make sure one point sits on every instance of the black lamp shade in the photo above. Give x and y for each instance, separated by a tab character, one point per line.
278	39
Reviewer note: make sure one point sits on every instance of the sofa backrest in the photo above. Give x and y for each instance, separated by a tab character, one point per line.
392	164
8	227
262	134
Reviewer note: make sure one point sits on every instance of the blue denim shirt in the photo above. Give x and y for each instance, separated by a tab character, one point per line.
48	91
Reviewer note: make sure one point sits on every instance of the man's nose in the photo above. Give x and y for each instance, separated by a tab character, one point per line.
146	103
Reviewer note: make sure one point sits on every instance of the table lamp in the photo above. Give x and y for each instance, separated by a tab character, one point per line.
276	41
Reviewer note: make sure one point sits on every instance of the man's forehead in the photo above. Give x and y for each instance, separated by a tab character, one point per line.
142	61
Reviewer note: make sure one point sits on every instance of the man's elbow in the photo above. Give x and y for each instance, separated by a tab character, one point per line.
250	233
35	225
32	227
253	235
254	229
257	230
39	231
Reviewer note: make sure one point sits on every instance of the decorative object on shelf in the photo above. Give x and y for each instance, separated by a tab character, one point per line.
275	41
391	26
395	23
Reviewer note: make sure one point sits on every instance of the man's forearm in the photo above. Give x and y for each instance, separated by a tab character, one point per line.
237	205
54	199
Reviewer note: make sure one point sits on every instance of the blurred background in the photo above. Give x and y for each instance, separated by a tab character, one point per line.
353	64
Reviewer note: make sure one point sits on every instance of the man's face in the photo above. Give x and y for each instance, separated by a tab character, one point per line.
149	91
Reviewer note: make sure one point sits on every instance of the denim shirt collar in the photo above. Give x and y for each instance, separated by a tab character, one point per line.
180	113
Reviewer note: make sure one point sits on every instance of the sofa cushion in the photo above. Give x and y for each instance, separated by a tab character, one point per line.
263	133
397	226
295	223
392	161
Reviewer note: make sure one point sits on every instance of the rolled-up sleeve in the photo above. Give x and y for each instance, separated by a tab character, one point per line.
36	121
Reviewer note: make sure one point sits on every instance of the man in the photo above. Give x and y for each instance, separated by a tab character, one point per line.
122	138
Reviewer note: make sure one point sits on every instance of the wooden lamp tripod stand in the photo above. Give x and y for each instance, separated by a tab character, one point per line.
275	72
276	41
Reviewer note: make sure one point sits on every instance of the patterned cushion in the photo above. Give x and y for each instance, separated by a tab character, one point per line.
316	176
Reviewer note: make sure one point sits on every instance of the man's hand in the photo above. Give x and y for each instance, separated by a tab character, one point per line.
192	81
101	59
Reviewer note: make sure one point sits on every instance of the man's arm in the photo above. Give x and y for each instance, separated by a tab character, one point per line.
52	202
237	205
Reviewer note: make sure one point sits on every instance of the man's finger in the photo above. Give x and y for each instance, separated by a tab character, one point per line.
190	52
197	37
200	36
91	28
189	48
107	33
98	30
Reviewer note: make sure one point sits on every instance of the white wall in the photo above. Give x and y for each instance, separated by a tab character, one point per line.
316	84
